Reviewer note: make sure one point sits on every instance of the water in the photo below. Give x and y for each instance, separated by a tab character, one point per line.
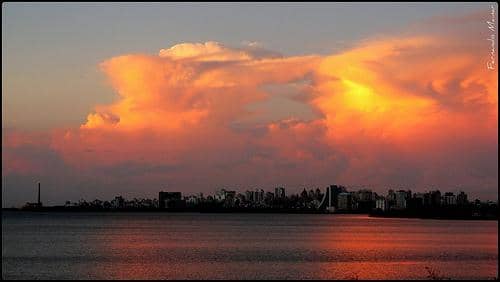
243	246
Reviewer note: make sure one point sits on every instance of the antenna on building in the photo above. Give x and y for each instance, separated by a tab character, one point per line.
38	193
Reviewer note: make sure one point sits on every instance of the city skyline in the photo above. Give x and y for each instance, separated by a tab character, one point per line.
296	191
335	199
280	192
106	99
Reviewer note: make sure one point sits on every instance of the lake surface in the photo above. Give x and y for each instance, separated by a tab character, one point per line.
243	246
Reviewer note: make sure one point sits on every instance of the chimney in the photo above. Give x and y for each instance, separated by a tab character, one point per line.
38	193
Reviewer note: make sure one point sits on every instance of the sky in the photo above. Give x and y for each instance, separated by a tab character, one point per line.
105	99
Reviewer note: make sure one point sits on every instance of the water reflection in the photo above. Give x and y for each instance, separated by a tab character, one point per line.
245	246
408	248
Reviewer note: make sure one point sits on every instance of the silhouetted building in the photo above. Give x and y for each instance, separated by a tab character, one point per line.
391	199
118	202
318	195
250	196
420	196
259	196
402	197
192	200
449	199
269	198
335	190
303	195
329	200
36	205
365	195
344	200
310	194
224	195
462	199
239	200
381	204
435	198
279	193
417	202
170	200
364	200
39	202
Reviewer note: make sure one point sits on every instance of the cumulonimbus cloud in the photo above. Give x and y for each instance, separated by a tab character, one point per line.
412	110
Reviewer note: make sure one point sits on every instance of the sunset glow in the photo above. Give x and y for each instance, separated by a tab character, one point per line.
414	109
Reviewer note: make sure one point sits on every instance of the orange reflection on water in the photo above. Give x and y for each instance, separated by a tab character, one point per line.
408	249
294	247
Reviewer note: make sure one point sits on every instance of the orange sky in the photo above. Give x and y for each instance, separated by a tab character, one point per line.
411	110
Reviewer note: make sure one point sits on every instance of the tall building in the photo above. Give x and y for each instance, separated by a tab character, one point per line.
303	194
249	196
391	199
402	198
279	193
365	195
449	199
417	201
269	198
259	196
335	190
365	200
420	196
462	199
344	201
381	204
435	198
39	202
170	200
239	199
317	194
192	200
310	194
118	202
329	200
36	205
223	194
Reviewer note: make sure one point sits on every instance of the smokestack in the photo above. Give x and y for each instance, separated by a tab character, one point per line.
38	193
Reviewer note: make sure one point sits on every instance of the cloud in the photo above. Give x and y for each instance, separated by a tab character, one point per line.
175	105
418	106
208	51
415	110
212	51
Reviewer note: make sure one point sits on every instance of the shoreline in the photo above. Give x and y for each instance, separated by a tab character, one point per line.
253	211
